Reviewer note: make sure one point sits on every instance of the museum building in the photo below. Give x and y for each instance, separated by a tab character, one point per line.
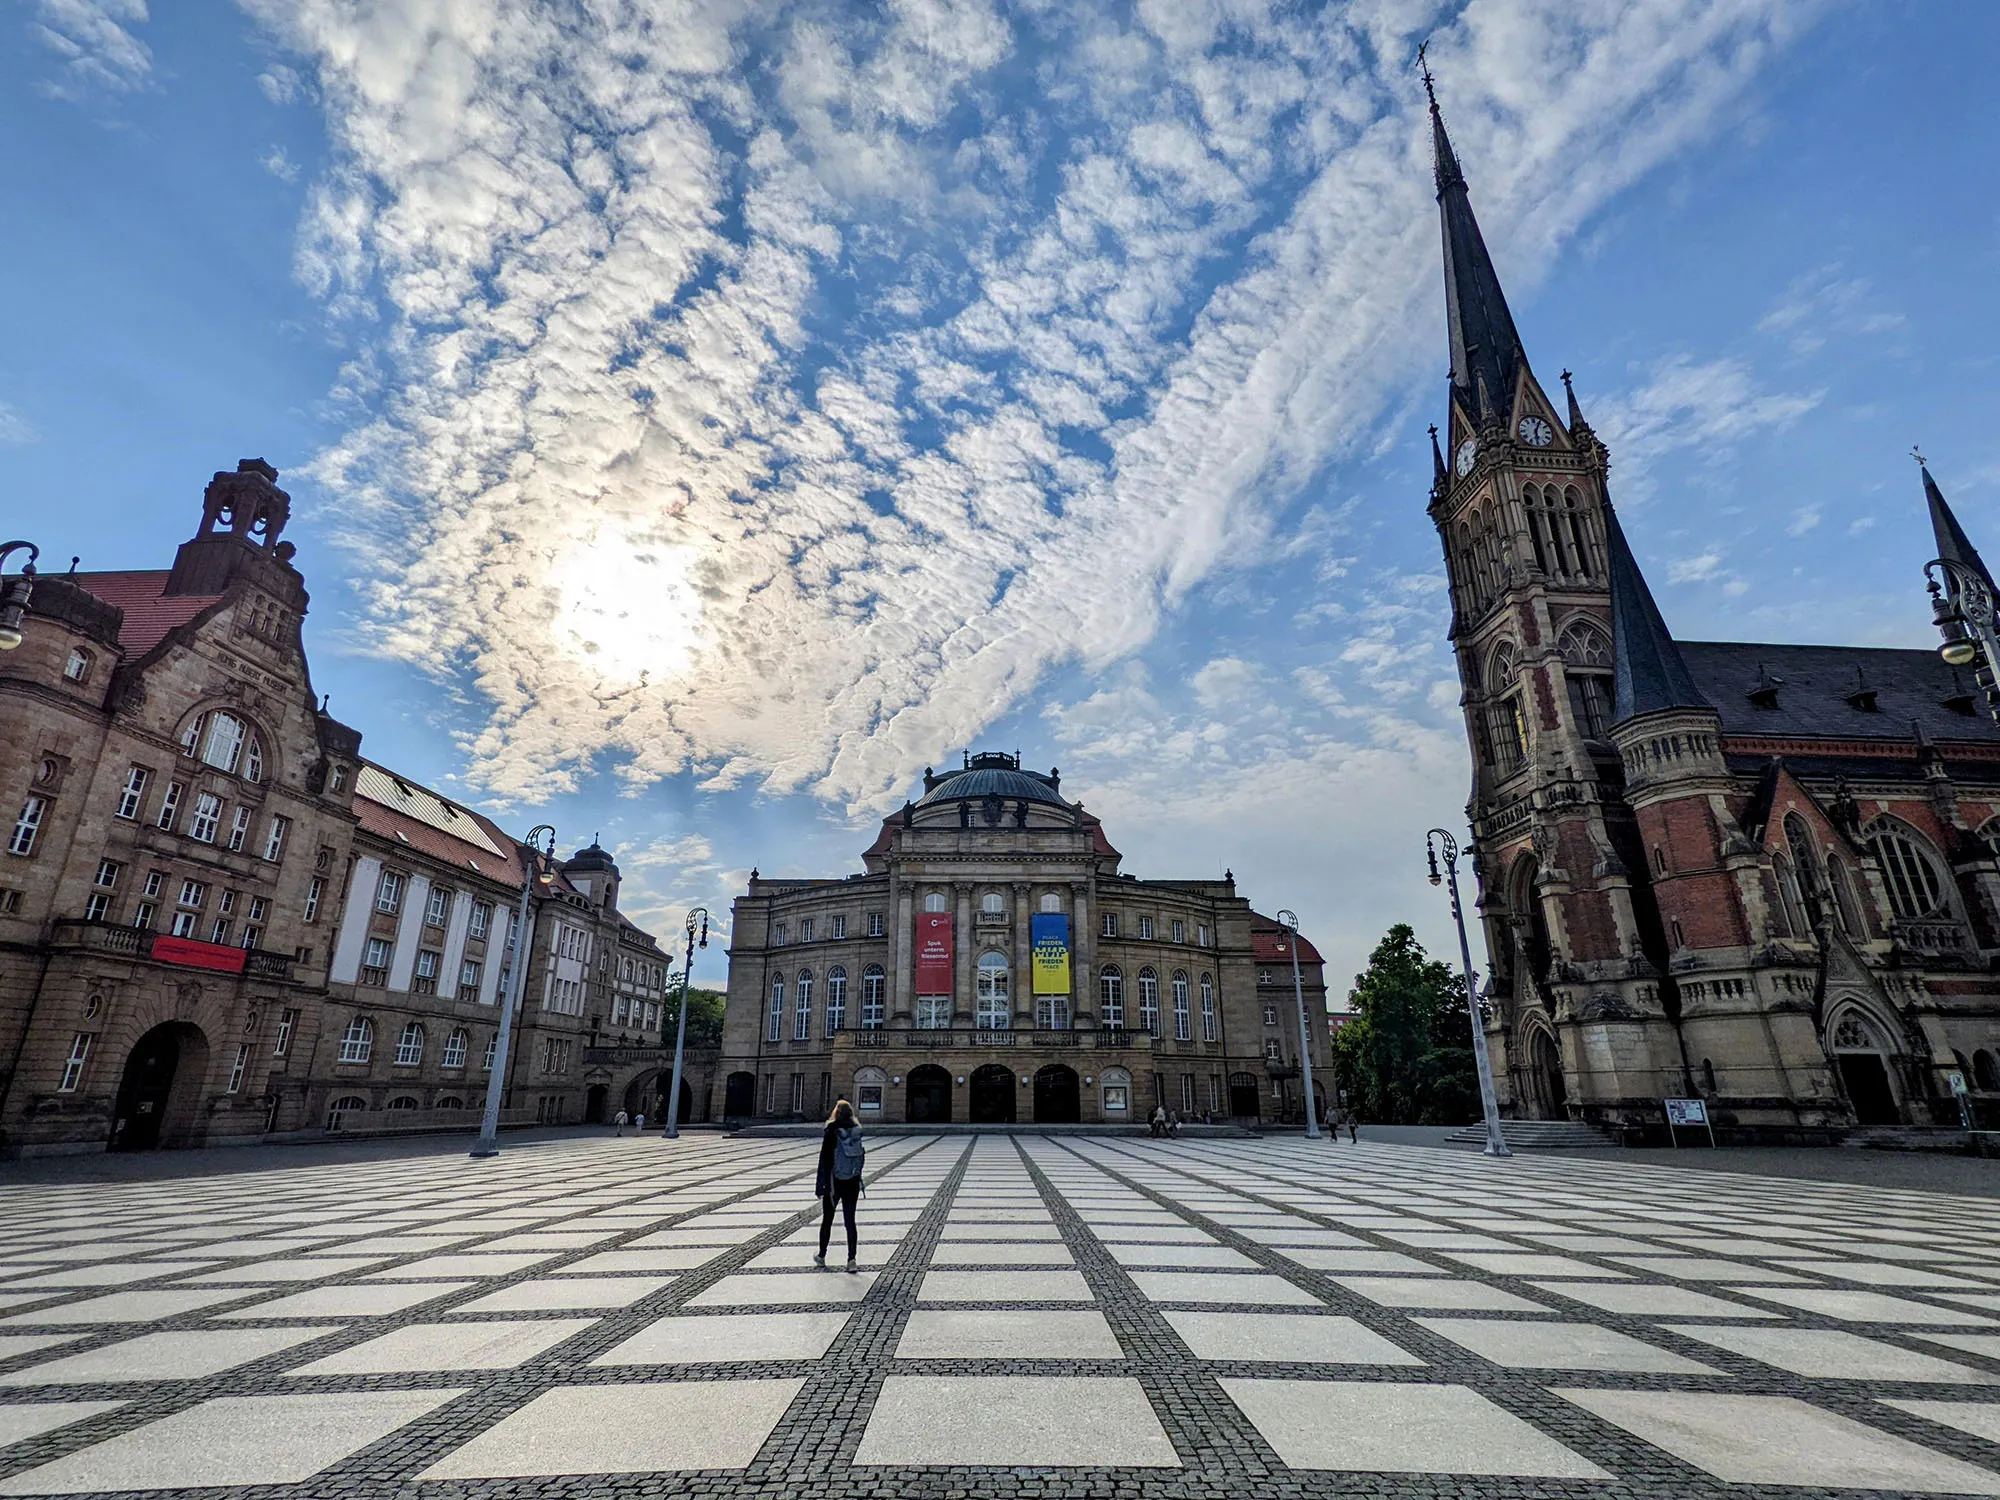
992	964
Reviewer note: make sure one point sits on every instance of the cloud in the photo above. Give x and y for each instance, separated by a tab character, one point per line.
99	54
1686	405
1823	302
780	393
15	429
282	85
280	165
1694	569
1225	680
1805	518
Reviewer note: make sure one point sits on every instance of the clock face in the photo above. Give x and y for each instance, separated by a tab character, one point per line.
1536	433
1467	452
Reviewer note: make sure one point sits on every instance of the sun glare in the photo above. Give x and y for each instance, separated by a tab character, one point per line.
628	607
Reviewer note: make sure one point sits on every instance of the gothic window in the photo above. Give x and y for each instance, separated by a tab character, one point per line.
1577	530
1915	889
1805	867
1587	663
1842	887
1531	502
1852	1034
993	1013
1111	997
1791	911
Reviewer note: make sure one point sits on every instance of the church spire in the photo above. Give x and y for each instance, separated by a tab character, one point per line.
1485	350
1953	545
1650	674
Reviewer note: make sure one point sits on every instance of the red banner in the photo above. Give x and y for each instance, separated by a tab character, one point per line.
190	954
934	953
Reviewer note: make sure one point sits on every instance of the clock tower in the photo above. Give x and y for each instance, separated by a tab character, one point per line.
1582	1005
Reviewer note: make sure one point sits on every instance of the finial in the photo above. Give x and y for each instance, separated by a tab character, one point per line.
1424	69
324	701
1917	454
72	565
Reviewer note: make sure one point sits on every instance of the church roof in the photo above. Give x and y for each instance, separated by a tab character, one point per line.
1649	672
1486	351
1953	545
1823	692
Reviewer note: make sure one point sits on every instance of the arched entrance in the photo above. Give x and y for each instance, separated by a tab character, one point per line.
593	1104
929	1101
993	1090
739	1096
157	1094
1551	1092
1861	1058
1058	1097
1243	1095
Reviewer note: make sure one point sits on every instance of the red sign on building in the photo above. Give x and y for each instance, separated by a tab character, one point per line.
934	953
190	954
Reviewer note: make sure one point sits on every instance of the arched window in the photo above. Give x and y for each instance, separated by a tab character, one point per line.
836	999
1915	888
1844	908
1506	731
873	983
253	758
1805	868
1207	1008
935	902
449	1101
1149	1001
1985	1072
402	1101
410	1046
993	904
1111	997
1587	663
1791	911
802	1014
1183	1031
774	1029
357	1045
1531	502
455	1047
1051	903
77	668
1580	534
338	1111
1852	1034
993	1012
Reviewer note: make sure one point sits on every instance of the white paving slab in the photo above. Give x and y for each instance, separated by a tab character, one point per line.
1038	1421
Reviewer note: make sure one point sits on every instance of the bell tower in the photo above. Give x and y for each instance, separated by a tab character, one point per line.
1519	497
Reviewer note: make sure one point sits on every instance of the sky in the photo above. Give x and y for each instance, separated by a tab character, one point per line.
703	415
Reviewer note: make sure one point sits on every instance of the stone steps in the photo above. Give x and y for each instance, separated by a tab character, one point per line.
1537	1135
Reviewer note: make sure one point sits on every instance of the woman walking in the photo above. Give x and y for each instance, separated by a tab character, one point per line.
841	1158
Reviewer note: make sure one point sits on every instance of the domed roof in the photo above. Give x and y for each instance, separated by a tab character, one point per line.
592	857
993	775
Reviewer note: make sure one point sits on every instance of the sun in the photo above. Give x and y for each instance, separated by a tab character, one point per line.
627	607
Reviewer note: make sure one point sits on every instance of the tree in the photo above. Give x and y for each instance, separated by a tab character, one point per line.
704	1018
1406	1057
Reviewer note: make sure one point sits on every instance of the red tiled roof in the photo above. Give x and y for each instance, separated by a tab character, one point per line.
148	614
1268	942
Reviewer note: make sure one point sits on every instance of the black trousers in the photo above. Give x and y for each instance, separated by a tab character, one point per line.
846	1192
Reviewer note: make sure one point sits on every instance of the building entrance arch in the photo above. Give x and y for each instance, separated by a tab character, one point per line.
1861	1058
158	1094
593	1104
1058	1096
929	1098
1551	1090
993	1089
739	1096
1243	1098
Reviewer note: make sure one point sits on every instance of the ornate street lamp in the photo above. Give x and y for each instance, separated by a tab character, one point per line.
15	592
673	1130
488	1143
1290	919
1496	1143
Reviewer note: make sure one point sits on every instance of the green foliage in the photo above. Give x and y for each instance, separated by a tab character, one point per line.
704	1017
1406	1057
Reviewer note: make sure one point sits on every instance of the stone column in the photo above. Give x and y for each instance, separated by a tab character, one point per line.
961	959
902	971
1083	956
1024	969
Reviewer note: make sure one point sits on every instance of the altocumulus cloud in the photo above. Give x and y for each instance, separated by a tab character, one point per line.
779	391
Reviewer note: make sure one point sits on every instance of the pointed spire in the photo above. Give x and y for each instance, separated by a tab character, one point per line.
1485	349
1576	422
1650	673
1438	473
1953	545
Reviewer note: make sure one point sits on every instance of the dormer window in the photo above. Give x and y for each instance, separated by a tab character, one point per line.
77	668
1764	694
1863	696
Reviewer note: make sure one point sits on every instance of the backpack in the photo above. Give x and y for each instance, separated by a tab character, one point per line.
849	1154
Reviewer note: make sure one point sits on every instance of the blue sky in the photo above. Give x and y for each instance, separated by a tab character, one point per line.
699	424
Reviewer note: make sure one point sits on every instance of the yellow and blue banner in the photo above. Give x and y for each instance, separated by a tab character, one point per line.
1049	932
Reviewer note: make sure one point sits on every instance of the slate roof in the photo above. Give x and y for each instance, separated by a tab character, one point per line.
400	811
1649	673
1812	697
992	781
1485	348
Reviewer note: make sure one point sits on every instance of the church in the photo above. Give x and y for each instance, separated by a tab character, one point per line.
1759	875
992	964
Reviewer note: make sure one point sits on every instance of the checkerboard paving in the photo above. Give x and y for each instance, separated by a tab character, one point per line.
1031	1316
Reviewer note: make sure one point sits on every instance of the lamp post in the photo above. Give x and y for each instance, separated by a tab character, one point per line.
14	595
488	1143
1291	919
1496	1143
673	1130
1962	606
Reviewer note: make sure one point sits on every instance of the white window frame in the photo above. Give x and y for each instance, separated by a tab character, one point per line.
274	841
28	826
1111	997
170	805
77	668
237	1068
802	1007
132	799
207	818
315	888
1183	1026
481	921
98	907
357	1043
774	1027
239	830
437	910
874	987
222	746
410	1046
79	1054
288	1021
456	1045
389	893
838	928
1208	1021
1149	1002
875	924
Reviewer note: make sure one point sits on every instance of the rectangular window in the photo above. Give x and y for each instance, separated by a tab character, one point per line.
170	806
389	894
239	830
258	906
27	826
1207	1011
1180	932
236	1069
425	980
155	881
798	1093
934	1012
1109	926
274	841
482	919
468	980
184	923
438	908
806	929
1187	1093
1201	935
226	903
315	888
79	1054
142	916
218	932
874	924
492	1047
872	986
802	1010
98	907
252	936
1274	1049
1146	929
838	928
207	815
107	873
778	936
375	962
133	797
193	893
288	1021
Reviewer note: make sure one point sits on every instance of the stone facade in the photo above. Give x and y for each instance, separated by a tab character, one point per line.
190	870
1177	993
1760	874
